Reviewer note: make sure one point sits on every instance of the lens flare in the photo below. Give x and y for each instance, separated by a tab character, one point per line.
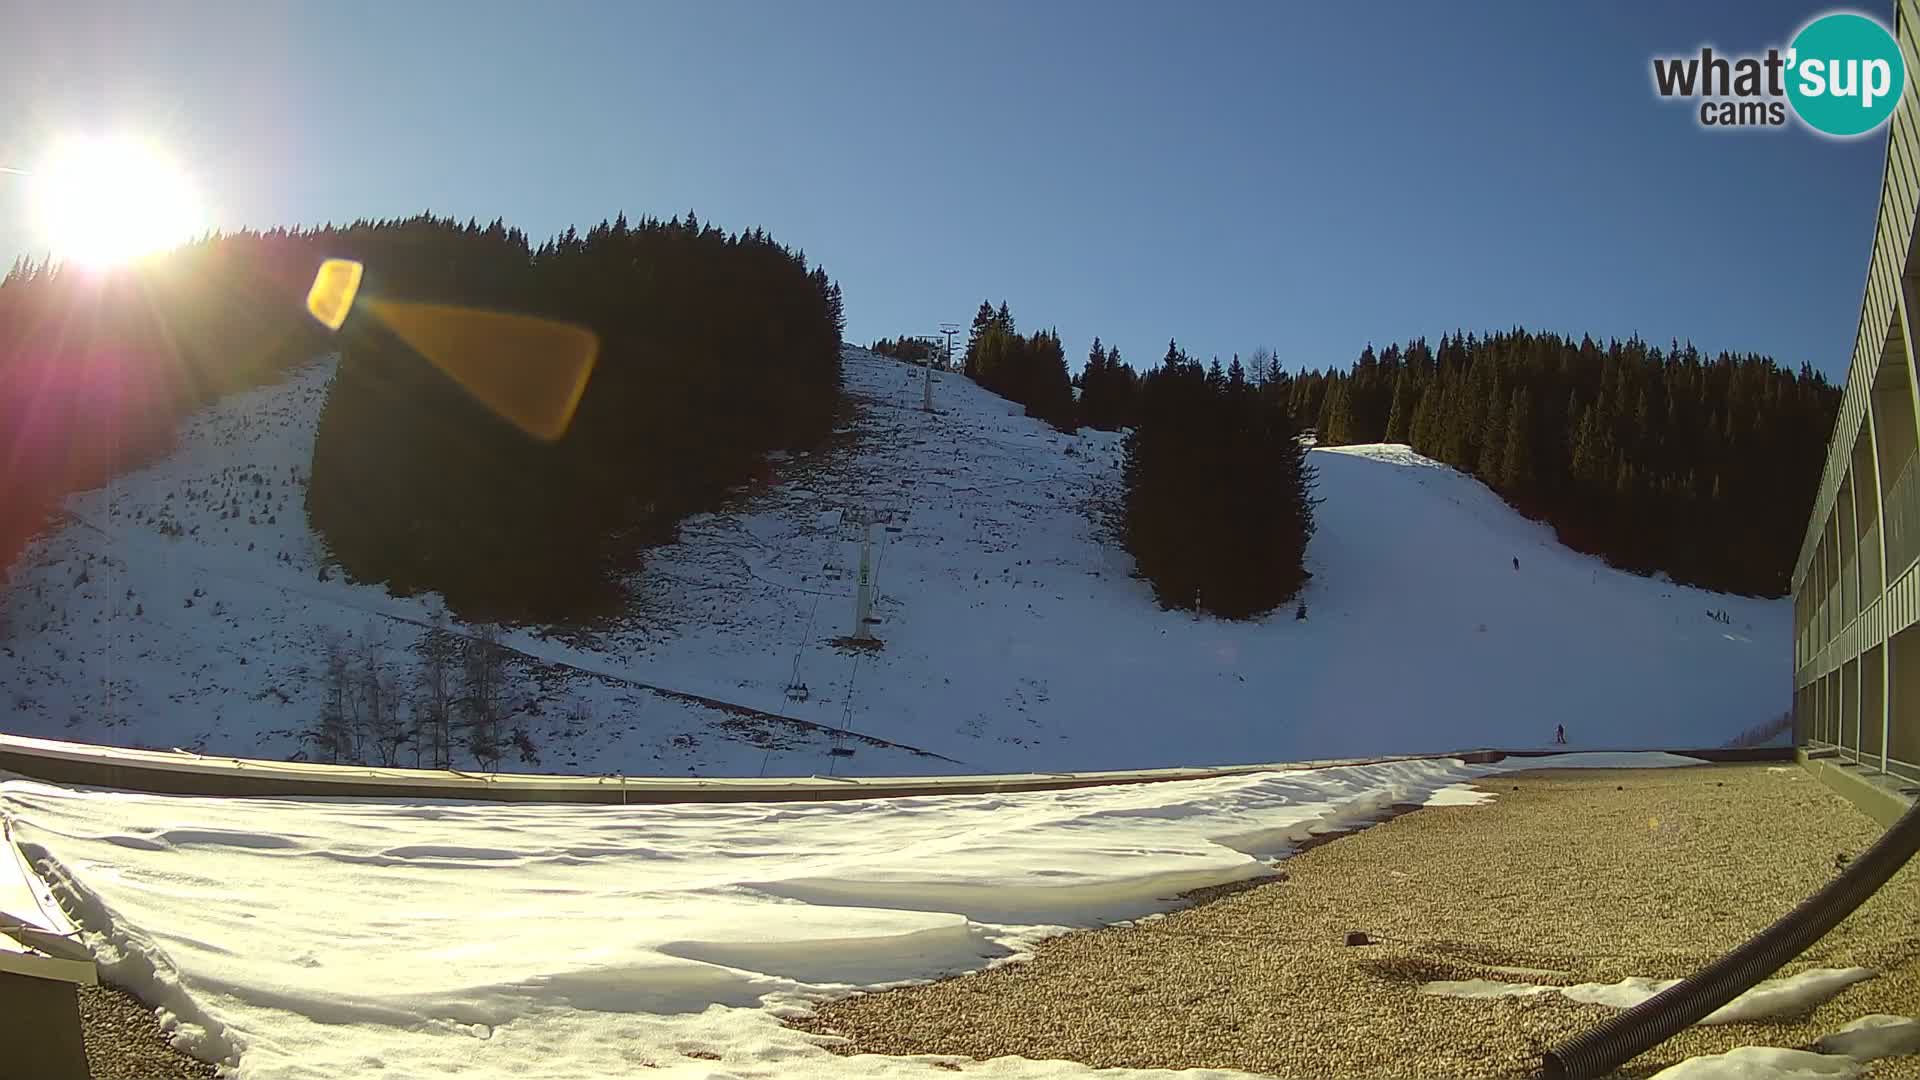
529	371
334	288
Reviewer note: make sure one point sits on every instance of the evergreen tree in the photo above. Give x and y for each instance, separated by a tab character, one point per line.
1218	506
1420	432
1339	411
1049	390
1329	413
1494	432
982	319
836	309
1589	463
994	361
1123	391
1106	390
1518	458
1400	417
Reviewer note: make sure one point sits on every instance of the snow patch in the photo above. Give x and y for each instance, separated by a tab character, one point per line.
1875	1036
1762	1063
349	937
1790	996
128	957
1458	795
1601	759
1482	988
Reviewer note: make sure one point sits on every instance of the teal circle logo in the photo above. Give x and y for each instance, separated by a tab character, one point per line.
1845	74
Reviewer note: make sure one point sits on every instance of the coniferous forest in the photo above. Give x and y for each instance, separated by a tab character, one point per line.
1658	460
718	347
912	350
714	348
1219	505
1029	370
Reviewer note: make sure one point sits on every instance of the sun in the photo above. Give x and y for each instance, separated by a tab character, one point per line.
102	202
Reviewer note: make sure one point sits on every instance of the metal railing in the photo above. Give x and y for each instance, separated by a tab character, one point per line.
1872	760
180	773
1870	584
1902	510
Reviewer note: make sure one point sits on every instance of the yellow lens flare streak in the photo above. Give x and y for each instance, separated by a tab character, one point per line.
530	371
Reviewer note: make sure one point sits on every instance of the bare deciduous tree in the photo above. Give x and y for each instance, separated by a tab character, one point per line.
523	742
483	688
380	695
331	735
1260	366
439	650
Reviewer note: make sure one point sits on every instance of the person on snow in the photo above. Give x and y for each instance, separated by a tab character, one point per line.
1516	562
1560	734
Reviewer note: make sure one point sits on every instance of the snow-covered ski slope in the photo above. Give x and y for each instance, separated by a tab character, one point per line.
1014	636
322	938
183	605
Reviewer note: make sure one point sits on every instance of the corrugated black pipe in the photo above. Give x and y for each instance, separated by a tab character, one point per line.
1659	1018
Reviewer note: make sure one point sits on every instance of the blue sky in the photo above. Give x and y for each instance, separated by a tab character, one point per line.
1308	177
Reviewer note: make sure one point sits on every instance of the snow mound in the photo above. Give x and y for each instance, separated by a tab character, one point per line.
126	956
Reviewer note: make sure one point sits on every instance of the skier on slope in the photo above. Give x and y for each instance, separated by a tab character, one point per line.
1516	562
1560	734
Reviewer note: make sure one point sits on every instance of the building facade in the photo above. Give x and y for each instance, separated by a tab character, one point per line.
1856	584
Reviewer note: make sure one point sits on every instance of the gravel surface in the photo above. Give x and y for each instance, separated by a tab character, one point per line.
1589	875
124	1040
